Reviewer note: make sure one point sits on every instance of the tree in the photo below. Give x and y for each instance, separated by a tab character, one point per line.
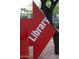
48	10
56	10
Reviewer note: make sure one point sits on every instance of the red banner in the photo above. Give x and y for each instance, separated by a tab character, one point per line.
37	30
43	29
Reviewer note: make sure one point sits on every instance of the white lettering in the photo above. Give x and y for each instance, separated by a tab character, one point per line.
36	33
31	38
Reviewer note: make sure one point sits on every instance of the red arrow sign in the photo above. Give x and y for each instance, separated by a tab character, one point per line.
39	31
46	32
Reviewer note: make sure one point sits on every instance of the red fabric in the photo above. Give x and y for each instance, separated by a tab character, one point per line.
24	49
29	25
